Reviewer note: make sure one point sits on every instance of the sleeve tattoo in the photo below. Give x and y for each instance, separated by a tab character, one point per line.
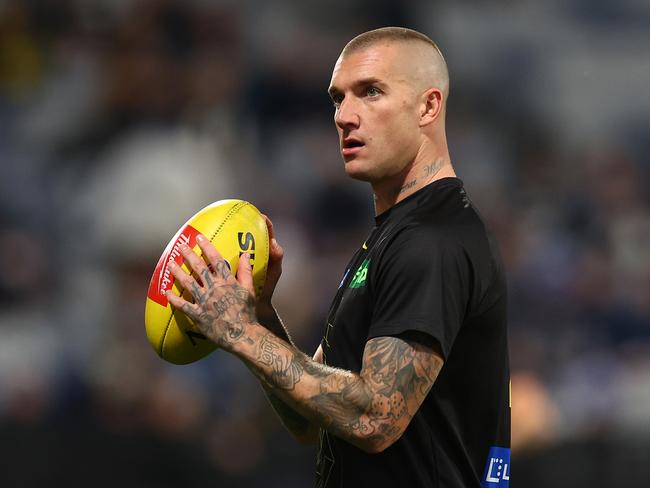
371	409
298	425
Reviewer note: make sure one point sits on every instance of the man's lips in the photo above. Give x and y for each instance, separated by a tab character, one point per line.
350	151
351	146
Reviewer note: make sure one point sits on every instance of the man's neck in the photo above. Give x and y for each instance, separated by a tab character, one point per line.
417	176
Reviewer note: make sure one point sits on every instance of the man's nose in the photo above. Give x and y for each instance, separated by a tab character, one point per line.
347	115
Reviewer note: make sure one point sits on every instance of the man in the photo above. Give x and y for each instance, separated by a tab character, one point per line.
409	386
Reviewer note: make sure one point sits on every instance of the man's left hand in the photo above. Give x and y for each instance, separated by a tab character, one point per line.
223	306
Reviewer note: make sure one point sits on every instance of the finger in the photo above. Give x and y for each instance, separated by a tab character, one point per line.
269	226
276	253
220	267
245	273
275	250
180	304
194	262
185	281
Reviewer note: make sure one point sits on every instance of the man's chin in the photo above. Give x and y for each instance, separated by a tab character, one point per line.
358	171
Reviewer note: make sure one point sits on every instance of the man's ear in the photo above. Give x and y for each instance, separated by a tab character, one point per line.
431	106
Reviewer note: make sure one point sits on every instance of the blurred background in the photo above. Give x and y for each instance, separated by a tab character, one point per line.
120	119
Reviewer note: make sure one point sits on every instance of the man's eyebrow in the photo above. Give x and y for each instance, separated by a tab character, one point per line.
332	90
367	81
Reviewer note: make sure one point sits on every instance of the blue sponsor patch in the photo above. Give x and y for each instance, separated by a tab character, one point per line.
497	468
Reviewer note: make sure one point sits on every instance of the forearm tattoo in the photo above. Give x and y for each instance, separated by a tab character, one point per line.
395	379
291	419
277	355
374	406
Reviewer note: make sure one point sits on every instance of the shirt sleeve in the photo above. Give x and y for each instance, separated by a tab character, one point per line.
421	282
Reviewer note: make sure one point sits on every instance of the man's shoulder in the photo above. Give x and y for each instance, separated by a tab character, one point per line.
413	245
437	230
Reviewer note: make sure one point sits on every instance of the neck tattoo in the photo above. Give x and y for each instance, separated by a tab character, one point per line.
431	170
408	185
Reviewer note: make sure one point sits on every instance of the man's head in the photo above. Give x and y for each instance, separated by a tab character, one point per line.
389	87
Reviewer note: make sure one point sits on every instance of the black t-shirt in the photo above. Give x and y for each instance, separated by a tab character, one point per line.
429	269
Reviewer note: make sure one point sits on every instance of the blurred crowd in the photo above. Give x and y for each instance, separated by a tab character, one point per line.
120	119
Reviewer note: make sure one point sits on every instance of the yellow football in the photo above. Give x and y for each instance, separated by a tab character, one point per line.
234	227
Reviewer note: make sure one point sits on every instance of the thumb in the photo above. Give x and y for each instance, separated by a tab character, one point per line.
245	273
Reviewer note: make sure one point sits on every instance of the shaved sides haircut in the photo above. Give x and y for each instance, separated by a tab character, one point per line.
401	34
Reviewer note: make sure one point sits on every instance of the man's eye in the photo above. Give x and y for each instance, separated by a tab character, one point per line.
373	91
336	101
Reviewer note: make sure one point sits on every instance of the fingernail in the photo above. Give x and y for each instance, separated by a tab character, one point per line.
247	255
200	238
